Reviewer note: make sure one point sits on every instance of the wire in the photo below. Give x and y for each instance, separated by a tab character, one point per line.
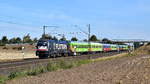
10	20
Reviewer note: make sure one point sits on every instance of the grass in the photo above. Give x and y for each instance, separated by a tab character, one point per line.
112	57
35	72
54	66
16	75
3	79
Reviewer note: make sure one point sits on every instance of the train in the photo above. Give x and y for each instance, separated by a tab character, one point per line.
55	48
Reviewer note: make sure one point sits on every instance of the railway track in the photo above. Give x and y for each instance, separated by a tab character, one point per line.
7	67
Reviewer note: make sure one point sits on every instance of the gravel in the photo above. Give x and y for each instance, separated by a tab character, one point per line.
126	70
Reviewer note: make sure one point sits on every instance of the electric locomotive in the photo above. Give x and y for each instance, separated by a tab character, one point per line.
51	48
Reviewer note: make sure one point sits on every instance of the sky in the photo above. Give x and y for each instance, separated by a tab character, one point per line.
113	19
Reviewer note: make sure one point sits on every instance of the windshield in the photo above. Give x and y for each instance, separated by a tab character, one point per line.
42	43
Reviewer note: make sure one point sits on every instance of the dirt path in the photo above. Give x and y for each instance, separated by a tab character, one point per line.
127	70
13	52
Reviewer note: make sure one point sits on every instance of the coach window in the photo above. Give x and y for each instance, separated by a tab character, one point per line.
82	46
100	46
86	46
75	46
78	46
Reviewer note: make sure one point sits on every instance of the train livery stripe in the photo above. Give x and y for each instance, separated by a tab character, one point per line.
41	49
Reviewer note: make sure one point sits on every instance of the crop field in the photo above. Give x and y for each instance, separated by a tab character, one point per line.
14	52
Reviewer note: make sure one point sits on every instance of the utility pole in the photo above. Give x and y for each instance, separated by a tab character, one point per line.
44	28
44	31
89	35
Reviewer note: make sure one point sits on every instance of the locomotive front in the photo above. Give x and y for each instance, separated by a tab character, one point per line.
42	49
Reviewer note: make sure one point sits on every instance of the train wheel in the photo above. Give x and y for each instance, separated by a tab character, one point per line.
54	56
40	57
66	55
43	56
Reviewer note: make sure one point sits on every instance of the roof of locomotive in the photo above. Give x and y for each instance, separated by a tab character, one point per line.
58	41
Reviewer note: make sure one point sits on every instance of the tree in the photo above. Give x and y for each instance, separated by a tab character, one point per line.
85	40
137	45
148	43
35	40
12	40
47	36
54	38
4	40
15	40
74	39
93	38
27	39
18	40
1	44
63	38
106	40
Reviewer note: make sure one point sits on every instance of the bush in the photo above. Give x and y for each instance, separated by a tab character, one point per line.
148	43
20	48
2	80
36	71
83	62
52	66
60	65
5	48
65	64
14	48
16	74
2	44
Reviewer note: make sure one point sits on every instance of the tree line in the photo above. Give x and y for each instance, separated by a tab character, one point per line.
17	40
27	39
